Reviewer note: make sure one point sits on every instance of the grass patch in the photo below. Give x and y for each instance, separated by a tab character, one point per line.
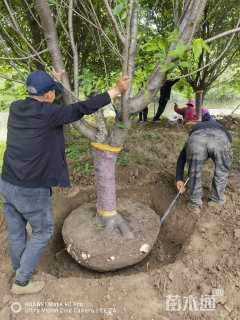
123	159
78	152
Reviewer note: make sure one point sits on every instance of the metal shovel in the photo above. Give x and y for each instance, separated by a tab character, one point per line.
172	204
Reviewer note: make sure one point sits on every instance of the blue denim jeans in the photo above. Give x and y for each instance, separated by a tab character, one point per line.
22	206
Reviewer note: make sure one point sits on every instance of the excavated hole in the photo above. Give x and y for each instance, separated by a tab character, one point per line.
175	231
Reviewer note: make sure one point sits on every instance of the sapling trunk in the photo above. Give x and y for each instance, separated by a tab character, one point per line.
199	102
105	173
105	162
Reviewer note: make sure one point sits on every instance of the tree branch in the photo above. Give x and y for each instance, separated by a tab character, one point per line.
16	27
74	48
119	135
193	11
218	59
25	58
9	79
53	47
114	22
223	34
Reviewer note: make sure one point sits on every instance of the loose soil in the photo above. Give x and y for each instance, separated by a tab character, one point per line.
95	248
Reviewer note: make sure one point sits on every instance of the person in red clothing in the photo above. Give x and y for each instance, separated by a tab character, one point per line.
188	112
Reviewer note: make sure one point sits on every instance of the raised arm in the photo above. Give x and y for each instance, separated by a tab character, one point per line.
178	110
57	115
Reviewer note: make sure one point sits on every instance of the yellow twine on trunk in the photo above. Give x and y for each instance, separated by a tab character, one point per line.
106	213
105	147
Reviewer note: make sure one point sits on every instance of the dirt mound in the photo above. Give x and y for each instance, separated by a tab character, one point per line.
230	122
94	248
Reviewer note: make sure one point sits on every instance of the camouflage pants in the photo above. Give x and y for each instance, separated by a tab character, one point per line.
202	145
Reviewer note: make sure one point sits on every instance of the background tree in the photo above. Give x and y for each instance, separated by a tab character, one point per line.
221	54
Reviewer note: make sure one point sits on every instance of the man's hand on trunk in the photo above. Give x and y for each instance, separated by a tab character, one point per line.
120	87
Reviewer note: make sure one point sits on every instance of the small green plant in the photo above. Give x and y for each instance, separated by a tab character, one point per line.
85	167
123	159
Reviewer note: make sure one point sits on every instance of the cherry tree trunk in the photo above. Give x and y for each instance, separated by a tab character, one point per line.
199	102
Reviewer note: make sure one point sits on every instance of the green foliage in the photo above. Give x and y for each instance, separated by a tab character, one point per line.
198	45
121	125
10	90
184	88
179	50
123	159
120	10
78	153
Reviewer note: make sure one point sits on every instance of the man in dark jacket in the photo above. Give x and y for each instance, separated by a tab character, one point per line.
207	139
165	93
34	161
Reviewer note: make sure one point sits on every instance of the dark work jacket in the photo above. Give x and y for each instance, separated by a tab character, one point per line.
182	159
166	88
35	153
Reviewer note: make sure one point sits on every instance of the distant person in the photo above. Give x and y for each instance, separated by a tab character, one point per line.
165	93
188	113
207	140
143	115
34	162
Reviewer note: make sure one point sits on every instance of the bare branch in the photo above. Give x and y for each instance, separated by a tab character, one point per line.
193	11
32	14
61	22
74	48
24	58
213	61
223	34
115	50
53	47
114	21
9	79
129	54
17	28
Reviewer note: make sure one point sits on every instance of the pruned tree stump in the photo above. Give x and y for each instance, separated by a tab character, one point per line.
94	248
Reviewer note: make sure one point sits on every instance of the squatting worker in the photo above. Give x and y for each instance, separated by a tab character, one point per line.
34	161
207	140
